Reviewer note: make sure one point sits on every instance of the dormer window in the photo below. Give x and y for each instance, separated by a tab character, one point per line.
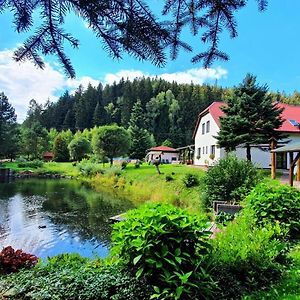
294	122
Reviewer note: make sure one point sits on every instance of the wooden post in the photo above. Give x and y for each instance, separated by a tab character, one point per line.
298	170
291	172
292	166
273	158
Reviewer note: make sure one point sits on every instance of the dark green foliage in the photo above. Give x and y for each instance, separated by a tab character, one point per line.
124	164
12	261
140	137
167	143
190	180
169	247
60	149
251	117
222	218
245	258
169	177
110	141
231	179
129	26
276	203
73	277
79	148
31	164
8	130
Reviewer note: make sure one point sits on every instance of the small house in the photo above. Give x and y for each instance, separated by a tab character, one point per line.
168	155
48	156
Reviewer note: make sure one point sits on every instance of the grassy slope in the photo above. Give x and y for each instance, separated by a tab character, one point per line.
144	184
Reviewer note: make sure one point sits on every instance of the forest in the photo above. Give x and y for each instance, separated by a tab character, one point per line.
164	112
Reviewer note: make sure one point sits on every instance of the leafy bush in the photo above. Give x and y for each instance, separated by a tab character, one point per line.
124	164
190	180
169	247
12	260
31	164
223	218
245	257
274	202
137	164
231	179
88	168
73	277
169	178
113	171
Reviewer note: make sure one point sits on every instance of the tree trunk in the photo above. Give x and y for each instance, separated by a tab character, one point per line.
111	162
248	149
157	168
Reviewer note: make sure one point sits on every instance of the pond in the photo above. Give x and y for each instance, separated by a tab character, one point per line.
47	217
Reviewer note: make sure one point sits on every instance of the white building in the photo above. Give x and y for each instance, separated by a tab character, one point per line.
168	154
208	126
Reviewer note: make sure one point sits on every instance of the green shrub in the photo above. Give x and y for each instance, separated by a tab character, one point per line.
245	257
190	180
88	168
274	202
169	247
113	171
124	164
231	179
223	218
73	277
169	178
31	164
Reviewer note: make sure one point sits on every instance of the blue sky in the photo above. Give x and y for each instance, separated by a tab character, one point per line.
267	46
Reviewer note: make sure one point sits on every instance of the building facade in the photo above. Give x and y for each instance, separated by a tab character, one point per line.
207	151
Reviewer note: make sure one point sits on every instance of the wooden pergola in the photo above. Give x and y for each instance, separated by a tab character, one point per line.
290	149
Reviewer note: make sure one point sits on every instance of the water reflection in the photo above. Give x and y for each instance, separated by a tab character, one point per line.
48	217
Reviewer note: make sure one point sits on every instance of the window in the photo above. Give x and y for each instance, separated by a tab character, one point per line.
213	149
207	126
203	128
174	158
293	122
199	152
203	150
206	149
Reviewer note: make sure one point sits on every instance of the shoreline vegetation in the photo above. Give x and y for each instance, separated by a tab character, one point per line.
139	185
245	248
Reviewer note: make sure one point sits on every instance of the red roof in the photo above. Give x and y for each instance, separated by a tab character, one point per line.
290	112
48	154
163	149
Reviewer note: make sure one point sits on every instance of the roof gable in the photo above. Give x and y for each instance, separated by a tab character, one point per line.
290	112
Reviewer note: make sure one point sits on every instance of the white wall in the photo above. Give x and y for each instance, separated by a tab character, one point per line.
164	157
205	141
259	157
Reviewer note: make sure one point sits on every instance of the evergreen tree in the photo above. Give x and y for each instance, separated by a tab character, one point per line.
140	137
8	132
69	120
250	117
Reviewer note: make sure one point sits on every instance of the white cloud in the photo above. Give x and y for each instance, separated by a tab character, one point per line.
22	82
196	75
